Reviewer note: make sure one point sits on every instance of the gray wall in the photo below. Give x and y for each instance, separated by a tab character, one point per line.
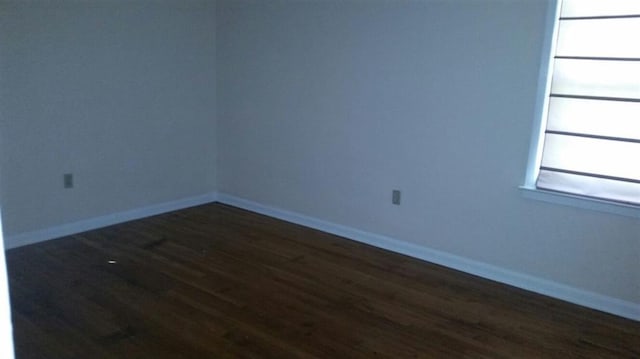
120	93
326	106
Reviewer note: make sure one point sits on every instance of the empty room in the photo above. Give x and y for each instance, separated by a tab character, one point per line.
319	179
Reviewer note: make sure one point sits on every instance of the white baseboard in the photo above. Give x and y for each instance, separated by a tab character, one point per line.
564	292
26	238
549	288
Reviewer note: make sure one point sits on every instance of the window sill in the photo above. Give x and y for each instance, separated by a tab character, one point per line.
581	202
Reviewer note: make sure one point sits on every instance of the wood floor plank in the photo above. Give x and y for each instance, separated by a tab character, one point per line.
216	281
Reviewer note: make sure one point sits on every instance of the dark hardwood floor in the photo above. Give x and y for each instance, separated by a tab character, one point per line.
218	282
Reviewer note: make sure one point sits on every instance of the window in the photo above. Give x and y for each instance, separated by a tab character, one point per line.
590	138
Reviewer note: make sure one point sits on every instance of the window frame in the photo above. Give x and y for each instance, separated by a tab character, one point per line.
528	188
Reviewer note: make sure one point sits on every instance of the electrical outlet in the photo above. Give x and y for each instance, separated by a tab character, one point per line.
67	180
395	197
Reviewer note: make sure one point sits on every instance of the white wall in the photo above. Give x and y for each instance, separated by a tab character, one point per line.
323	108
326	106
119	93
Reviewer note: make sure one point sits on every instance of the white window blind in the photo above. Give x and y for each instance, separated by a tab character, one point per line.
592	138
